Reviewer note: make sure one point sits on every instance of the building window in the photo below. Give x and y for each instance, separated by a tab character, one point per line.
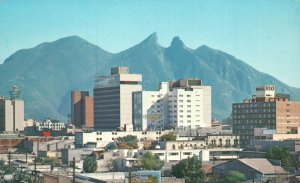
173	154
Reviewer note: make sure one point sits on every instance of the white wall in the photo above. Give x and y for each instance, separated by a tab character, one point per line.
180	107
9	115
102	138
177	155
126	103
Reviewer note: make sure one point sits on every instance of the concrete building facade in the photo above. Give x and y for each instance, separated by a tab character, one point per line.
268	110
113	99
102	138
184	103
82	109
49	125
12	112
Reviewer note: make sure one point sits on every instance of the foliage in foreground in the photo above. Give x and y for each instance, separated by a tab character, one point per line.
280	153
128	142
152	161
90	164
190	169
234	177
168	137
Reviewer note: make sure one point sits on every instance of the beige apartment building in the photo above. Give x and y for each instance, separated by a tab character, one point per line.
268	110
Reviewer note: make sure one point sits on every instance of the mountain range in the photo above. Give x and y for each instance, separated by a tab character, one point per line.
47	73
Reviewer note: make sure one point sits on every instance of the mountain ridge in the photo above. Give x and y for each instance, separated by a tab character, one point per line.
49	71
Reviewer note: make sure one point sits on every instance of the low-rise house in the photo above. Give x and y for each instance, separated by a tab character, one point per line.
52	145
67	155
253	169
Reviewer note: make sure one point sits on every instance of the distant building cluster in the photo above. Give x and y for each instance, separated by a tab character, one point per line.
120	103
49	125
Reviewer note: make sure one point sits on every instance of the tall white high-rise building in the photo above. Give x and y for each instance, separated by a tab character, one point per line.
177	104
113	99
12	112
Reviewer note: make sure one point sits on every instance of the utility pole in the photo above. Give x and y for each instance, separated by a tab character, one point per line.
253	178
73	164
129	177
26	156
9	158
35	172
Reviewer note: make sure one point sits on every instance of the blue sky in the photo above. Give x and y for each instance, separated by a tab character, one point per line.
263	33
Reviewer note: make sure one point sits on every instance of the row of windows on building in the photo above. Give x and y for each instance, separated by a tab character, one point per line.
170	96
171	112
99	139
254	121
181	95
116	133
255	105
265	110
249	128
180	106
181	116
188	106
242	116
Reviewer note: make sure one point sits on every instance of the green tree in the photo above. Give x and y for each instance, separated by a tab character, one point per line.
234	177
51	161
90	164
19	174
190	169
128	142
151	179
152	161
168	136
280	153
5	170
111	146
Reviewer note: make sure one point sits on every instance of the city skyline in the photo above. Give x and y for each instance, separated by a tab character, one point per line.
264	34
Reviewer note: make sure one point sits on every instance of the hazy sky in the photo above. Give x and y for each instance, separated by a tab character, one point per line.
263	33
